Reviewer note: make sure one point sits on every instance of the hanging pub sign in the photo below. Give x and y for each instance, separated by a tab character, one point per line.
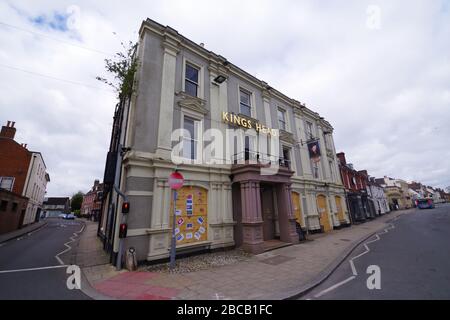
314	150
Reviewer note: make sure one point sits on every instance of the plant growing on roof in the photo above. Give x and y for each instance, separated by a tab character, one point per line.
123	66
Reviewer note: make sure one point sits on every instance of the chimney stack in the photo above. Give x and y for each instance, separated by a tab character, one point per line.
8	131
341	157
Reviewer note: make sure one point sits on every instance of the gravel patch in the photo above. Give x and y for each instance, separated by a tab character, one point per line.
201	262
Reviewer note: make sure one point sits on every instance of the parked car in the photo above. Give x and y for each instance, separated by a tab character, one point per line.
70	216
425	204
62	215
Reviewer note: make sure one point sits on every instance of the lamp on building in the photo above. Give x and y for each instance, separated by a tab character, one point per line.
219	79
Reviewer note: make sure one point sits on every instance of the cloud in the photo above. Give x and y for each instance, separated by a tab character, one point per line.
385	90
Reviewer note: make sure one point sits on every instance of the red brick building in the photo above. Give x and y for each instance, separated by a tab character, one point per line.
92	203
14	160
22	172
355	183
12	211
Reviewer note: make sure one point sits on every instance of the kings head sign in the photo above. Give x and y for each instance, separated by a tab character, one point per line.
231	118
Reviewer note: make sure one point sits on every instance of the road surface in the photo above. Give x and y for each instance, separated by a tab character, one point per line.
413	257
38	251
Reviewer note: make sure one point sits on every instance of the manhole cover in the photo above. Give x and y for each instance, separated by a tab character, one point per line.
276	260
345	239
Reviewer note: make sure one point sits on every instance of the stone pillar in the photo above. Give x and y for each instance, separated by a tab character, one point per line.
252	222
167	99
228	203
286	217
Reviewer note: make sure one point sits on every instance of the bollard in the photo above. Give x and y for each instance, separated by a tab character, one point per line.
131	262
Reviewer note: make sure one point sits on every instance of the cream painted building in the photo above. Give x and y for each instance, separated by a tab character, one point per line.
226	200
35	188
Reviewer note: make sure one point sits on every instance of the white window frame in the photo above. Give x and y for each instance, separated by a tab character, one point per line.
330	163
199	138
326	138
293	165
252	100
313	167
201	86
306	129
12	183
286	122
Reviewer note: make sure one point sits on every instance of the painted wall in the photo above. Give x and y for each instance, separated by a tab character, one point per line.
156	111
35	187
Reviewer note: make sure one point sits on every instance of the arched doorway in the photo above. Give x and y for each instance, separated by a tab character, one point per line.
340	210
297	208
323	213
191	215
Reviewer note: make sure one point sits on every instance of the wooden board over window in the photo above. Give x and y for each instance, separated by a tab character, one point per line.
297	208
191	215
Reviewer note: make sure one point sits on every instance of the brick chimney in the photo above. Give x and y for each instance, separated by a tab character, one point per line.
8	131
341	157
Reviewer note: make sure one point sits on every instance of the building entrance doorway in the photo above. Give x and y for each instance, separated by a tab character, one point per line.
395	202
323	213
268	212
340	210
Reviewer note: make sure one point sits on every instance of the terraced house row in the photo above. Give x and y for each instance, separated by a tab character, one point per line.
226	201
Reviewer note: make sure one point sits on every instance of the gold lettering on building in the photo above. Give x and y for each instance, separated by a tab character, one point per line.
225	117
234	119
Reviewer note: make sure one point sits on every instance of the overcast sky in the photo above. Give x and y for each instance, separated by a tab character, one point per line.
378	71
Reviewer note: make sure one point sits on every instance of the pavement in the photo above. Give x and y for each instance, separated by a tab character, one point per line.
20	232
284	273
33	263
411	256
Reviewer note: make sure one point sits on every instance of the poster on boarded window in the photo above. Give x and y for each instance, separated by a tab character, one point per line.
191	216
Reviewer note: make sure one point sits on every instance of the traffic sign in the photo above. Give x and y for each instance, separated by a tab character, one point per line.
176	180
